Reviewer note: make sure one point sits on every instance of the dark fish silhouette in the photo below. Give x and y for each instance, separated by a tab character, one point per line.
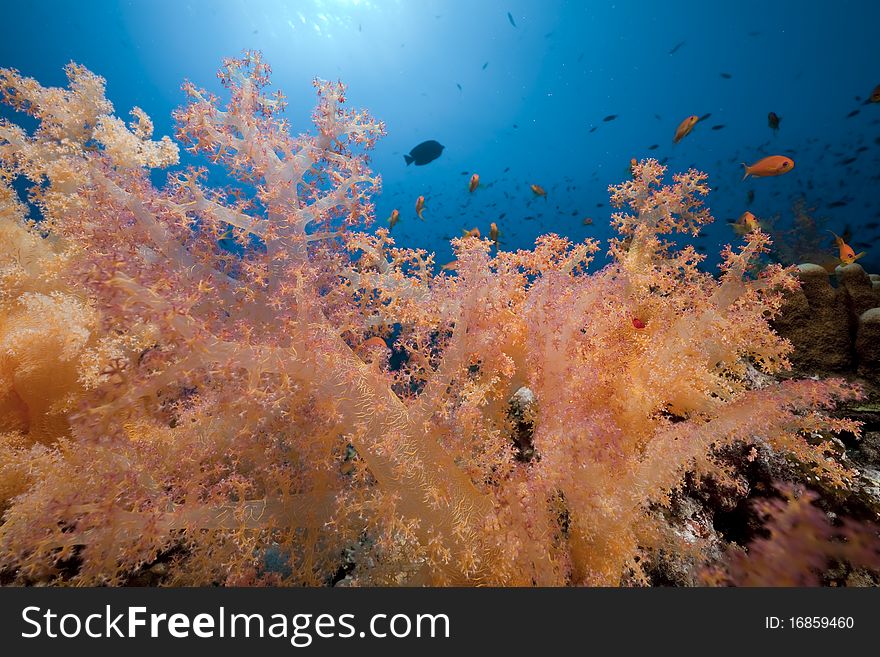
852	114
510	18
653	147
424	153
773	120
610	117
485	65
676	47
726	76
594	128
720	126
705	116
458	85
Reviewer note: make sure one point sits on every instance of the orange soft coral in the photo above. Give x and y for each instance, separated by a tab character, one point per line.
225	404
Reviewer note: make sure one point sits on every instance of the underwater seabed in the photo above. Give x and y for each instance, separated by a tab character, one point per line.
249	386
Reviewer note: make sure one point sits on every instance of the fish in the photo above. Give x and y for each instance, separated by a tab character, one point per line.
485	65
473	232
510	18
474	182
632	166
751	196
875	95
493	233
846	254
506	169
588	221
537	190
773	165
420	207
451	266
393	219
747	223
705	116
610	117
852	114
726	76
676	47
458	85
653	147
424	153
720	126
684	128
594	128
773	120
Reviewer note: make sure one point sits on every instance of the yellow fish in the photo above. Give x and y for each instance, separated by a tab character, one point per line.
774	165
684	128
493	233
420	207
537	190
747	223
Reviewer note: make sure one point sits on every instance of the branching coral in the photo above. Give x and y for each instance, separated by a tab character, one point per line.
231	397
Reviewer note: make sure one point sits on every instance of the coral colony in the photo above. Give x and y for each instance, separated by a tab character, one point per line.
242	385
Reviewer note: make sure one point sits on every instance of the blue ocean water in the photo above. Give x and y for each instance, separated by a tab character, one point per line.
518	91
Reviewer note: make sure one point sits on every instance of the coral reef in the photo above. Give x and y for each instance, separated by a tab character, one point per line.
193	381
833	328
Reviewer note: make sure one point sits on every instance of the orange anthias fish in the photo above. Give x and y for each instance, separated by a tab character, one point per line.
420	207
847	255
393	219
474	183
537	190
684	128
875	95
774	165
493	233
473	232
747	223
450	266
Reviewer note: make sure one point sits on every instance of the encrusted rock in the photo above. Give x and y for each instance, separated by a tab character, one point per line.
860	295
867	344
824	322
816	320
